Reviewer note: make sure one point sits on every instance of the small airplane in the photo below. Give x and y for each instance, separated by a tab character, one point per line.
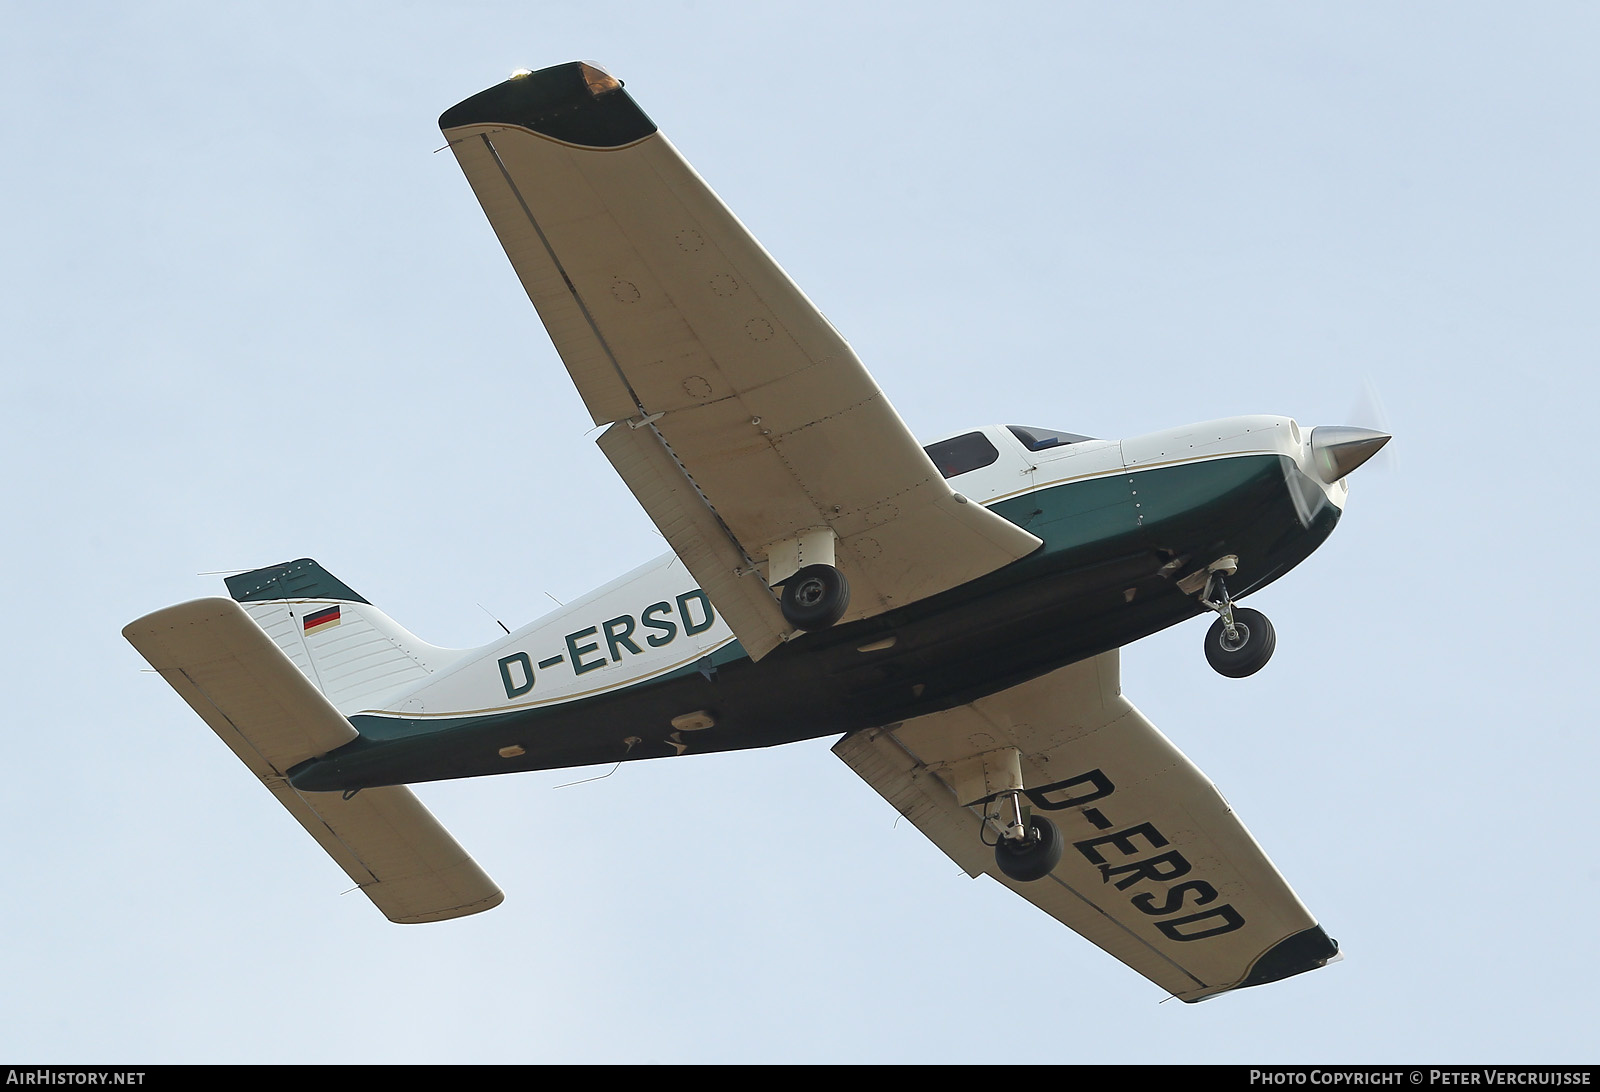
953	612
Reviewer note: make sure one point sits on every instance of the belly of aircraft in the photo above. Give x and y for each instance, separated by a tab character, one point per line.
1105	577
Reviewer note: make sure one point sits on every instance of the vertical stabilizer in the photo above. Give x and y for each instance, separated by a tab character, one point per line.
353	652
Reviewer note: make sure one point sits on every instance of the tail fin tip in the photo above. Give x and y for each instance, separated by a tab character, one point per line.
301	579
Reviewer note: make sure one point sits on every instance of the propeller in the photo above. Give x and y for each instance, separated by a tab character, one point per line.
1336	450
1368	412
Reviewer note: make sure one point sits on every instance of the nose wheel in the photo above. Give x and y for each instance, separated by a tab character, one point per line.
1241	640
1246	650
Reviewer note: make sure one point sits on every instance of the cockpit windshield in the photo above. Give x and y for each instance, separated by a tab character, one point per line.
1037	439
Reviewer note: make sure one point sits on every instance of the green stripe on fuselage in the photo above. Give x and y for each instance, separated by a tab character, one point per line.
1094	585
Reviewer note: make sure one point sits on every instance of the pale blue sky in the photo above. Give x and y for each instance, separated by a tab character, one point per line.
249	316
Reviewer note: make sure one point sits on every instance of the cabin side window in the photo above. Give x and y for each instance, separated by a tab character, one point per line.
961	454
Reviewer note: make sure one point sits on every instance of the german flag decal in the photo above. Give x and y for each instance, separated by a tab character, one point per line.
321	620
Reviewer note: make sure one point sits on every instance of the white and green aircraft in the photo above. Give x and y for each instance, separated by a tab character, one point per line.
953	612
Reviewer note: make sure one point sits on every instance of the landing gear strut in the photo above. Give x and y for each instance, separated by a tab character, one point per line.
1027	847
1241	640
1030	845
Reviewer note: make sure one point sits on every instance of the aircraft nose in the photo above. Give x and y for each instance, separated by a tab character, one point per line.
1336	450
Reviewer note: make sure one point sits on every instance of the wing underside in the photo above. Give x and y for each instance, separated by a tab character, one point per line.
740	418
1157	869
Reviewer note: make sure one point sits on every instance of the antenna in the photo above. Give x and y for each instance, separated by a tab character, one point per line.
497	621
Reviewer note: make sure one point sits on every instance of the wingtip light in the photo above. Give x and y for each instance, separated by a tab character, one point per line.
598	80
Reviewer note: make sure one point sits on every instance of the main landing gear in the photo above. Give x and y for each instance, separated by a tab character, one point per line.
815	597
1030	845
1241	640
1027	847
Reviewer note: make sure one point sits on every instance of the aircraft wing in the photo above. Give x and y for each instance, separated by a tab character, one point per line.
1157	870
740	418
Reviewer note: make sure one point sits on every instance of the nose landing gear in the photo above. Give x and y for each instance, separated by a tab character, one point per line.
1241	640
1244	651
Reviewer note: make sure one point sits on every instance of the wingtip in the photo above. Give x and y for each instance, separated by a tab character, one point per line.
576	103
488	902
1304	951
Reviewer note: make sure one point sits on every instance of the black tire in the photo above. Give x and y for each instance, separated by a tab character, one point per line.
1250	653
815	597
1034	859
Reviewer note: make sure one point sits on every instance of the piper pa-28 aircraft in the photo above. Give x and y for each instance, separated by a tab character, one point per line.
953	611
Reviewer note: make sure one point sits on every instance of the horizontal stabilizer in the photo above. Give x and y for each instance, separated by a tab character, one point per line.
271	716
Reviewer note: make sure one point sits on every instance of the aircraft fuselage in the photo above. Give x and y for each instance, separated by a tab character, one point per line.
604	679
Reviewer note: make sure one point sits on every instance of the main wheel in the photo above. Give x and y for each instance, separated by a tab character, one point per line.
815	597
1033	859
1247	654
